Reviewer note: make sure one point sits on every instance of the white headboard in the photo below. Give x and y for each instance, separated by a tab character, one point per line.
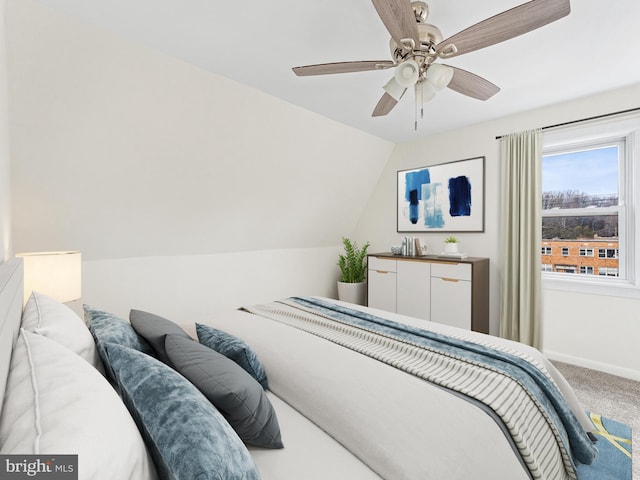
11	285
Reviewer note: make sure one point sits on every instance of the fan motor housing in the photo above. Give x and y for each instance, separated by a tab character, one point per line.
430	36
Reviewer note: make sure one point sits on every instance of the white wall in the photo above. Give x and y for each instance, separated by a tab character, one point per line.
5	186
190	287
596	331
127	154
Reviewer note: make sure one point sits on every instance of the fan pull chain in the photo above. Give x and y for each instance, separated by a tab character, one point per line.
417	92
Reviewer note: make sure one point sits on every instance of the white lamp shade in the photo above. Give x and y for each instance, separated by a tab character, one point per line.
407	73
56	274
427	91
394	89
439	75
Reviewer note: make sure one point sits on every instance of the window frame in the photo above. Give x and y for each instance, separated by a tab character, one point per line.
591	134
586	252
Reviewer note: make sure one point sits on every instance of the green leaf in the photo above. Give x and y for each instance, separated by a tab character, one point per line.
352	263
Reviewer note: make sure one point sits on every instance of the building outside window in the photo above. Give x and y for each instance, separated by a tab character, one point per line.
581	206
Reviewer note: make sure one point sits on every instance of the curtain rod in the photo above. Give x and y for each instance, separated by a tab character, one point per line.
605	115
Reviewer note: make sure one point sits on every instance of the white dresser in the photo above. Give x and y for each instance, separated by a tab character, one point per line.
450	291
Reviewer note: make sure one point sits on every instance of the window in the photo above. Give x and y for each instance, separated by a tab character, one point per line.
566	268
588	182
608	272
546	250
607	253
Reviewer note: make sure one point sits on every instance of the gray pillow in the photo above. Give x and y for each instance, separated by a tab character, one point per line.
234	348
154	329
238	396
186	436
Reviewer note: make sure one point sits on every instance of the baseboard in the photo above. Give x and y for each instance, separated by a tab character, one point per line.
586	363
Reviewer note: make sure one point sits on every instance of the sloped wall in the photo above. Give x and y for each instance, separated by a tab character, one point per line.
124	153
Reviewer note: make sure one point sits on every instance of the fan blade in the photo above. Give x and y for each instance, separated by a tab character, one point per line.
504	26
472	85
399	19
384	106
342	67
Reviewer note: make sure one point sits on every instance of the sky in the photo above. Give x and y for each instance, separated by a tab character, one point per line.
588	171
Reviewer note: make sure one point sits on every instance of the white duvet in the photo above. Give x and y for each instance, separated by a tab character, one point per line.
400	426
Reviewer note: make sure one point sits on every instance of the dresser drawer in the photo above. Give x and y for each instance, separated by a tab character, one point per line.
382	264
454	271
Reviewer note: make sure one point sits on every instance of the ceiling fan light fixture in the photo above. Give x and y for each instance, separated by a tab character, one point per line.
439	75
427	91
416	44
407	73
394	89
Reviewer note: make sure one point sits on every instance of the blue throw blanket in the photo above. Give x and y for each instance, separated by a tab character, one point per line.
535	381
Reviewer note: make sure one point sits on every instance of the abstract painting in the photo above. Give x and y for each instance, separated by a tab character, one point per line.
448	197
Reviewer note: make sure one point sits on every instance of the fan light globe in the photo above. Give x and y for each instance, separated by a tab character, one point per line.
407	73
427	91
439	75
394	89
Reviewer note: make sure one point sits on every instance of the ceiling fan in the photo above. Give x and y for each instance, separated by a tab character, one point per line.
416	45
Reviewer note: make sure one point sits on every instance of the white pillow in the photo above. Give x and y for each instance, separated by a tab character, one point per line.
48	317
56	403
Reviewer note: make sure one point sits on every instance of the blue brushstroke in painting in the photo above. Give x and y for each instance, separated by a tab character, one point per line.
413	191
433	217
459	196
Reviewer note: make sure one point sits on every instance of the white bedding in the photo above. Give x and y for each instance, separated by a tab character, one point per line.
534	355
309	453
399	425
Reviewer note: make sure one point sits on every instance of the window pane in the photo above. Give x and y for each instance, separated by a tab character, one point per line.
570	227
588	223
582	179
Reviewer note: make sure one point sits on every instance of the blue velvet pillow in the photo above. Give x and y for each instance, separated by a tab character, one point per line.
234	348
108	328
235	393
186	436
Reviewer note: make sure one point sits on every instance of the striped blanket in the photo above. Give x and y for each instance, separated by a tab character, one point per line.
546	434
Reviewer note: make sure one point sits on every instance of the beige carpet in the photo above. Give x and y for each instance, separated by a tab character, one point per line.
614	397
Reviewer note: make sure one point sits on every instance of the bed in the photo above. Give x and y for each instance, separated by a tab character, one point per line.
297	388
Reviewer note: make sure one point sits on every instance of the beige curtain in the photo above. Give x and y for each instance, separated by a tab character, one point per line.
521	233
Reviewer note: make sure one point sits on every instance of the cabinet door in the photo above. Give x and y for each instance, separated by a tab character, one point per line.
451	302
382	290
413	289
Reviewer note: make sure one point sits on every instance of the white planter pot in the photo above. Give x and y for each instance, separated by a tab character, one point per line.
451	247
352	292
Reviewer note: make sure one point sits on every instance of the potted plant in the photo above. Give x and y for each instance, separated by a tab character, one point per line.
451	244
353	268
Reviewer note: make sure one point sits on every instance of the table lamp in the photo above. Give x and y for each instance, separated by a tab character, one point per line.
56	274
